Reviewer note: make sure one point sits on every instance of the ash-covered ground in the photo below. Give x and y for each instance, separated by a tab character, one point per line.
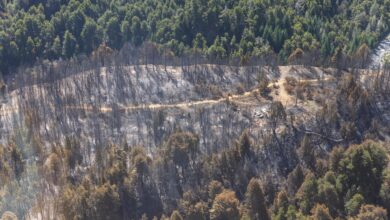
139	105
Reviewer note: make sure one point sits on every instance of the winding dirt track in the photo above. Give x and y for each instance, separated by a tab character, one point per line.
164	106
283	96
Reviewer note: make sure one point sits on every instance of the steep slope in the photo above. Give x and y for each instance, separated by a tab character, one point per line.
379	52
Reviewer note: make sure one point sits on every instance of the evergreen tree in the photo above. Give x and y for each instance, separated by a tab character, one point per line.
136	31
225	206
307	193
295	179
255	202
199	42
372	212
362	168
113	32
69	45
90	36
385	190
56	48
353	205
321	212
126	31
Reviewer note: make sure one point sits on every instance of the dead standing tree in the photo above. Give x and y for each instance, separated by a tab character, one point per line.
277	115
103	54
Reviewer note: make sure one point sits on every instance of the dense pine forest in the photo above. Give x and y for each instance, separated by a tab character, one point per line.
194	109
53	29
